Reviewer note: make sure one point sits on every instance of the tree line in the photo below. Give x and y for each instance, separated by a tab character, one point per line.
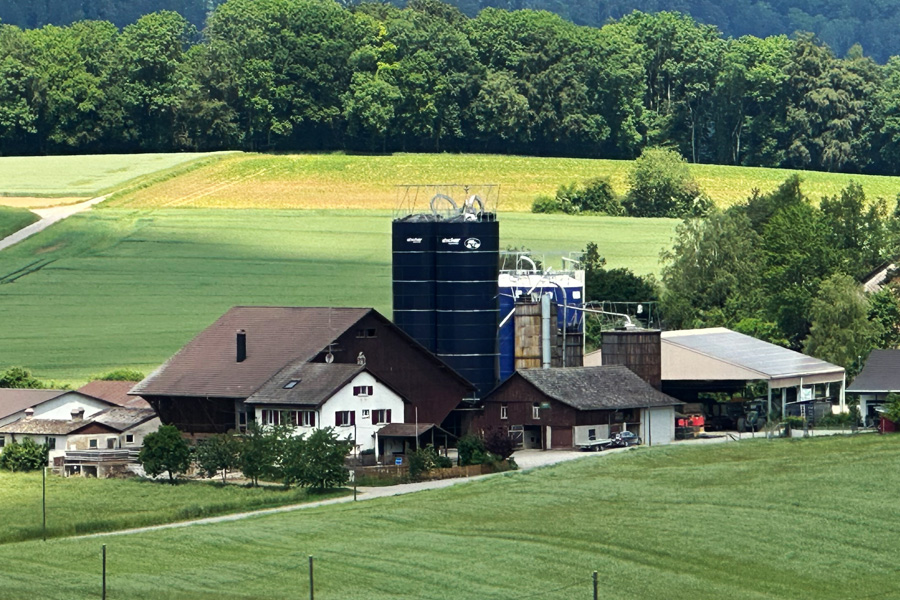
313	75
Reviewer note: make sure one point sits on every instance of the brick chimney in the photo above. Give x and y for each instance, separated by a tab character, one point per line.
29	412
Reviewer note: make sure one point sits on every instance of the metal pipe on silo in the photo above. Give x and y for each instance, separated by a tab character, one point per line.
545	331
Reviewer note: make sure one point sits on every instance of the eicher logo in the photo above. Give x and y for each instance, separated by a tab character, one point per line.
451	241
473	243
414	240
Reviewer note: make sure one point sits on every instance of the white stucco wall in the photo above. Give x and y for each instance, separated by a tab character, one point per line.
658	425
139	433
40	440
382	398
61	408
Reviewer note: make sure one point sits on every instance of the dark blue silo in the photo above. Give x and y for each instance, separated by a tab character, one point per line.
413	250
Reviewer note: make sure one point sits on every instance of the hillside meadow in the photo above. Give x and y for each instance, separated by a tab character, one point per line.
127	288
756	519
341	181
77	506
13	219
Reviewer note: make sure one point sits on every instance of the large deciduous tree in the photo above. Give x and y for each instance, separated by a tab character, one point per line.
165	451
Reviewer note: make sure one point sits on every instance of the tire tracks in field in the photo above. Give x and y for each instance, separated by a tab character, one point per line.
212	189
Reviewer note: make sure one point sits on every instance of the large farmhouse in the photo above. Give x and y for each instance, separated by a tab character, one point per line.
346	367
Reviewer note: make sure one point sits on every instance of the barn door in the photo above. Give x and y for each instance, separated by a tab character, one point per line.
517	435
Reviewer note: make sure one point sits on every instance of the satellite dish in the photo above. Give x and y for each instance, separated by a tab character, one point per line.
329	358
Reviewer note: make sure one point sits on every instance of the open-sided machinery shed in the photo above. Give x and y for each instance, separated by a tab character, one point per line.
718	359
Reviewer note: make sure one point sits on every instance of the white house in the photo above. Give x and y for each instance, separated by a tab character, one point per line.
47	404
317	395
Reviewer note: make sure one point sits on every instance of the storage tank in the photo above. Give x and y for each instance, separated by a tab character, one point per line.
445	267
638	349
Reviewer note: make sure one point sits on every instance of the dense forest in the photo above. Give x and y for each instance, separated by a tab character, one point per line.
838	23
311	74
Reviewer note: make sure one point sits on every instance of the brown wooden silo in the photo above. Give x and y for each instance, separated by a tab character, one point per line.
637	349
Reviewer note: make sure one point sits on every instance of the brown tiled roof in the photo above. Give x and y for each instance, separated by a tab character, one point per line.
115	392
610	387
12	400
404	429
121	418
276	336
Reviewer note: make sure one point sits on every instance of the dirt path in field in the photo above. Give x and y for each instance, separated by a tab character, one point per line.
49	216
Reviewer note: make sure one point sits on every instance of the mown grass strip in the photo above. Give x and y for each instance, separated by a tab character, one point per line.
78	506
14	219
754	519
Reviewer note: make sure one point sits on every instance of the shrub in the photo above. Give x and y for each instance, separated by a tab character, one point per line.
545	204
498	443
316	461
471	450
20	377
121	375
662	186
598	196
25	456
422	460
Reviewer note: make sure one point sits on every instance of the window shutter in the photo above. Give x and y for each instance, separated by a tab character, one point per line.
374	417
312	419
369	390
353	417
265	417
276	416
295	418
337	418
387	418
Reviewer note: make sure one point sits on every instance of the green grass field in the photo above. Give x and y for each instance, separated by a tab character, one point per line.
315	181
757	520
127	288
77	506
88	175
14	219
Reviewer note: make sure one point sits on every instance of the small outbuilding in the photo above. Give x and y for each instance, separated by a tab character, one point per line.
560	408
879	377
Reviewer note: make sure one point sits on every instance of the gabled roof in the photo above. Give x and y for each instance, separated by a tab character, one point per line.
721	354
406	429
610	387
44	426
881	373
122	418
275	336
316	383
13	400
114	392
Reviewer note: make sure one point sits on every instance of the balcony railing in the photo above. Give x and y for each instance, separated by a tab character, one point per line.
120	455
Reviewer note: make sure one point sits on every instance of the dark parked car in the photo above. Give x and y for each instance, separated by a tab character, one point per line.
624	439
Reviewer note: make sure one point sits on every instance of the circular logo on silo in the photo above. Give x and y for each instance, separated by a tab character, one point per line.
473	243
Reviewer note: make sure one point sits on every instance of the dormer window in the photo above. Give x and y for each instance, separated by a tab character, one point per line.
290	384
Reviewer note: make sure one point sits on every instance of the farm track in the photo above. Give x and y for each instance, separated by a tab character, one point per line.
49	216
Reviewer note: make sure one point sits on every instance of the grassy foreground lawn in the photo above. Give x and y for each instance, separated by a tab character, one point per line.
78	505
126	288
758	520
87	175
339	181
14	219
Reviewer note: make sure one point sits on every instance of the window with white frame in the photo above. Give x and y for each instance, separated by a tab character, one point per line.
503	412
365	413
362	390
129	438
2	441
535	411
382	415
270	417
111	443
343	418
92	443
303	418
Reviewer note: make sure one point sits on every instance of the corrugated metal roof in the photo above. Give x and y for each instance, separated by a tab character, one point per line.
316	383
276	336
610	387
747	352
13	400
881	373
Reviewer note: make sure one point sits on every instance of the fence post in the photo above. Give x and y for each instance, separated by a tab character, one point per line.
103	593
595	585
310	577
44	504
